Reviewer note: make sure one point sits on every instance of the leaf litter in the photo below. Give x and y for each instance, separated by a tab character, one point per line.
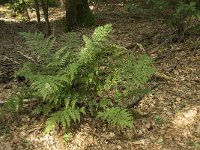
168	118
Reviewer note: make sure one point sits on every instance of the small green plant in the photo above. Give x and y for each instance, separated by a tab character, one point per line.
180	15
96	79
183	17
158	120
4	130
157	5
129	7
114	115
18	6
21	7
194	144
67	137
14	103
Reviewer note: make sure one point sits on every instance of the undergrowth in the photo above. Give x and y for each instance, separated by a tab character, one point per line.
183	16
96	79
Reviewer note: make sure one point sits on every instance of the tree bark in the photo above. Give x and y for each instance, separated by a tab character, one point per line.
77	12
37	9
70	14
44	4
86	5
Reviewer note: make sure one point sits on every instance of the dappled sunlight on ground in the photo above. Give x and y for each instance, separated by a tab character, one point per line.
186	124
168	118
8	15
83	139
187	117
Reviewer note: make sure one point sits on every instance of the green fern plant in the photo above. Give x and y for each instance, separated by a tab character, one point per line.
184	17
98	78
39	47
64	117
117	116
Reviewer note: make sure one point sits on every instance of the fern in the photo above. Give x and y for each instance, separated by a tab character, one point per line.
63	117
14	103
74	81
39	46
117	116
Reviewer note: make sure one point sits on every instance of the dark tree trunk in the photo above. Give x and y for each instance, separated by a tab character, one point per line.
86	5
44	5
70	14
37	9
77	13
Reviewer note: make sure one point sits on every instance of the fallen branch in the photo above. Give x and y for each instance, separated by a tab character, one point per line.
139	98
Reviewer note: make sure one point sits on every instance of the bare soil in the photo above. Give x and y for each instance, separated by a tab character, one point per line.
168	118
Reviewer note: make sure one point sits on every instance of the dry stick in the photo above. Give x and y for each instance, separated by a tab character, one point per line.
165	42
27	57
156	75
164	77
139	98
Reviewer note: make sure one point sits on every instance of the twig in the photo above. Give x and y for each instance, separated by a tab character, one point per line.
27	57
164	76
139	98
165	42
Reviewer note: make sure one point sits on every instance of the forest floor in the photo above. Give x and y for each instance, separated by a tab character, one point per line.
169	116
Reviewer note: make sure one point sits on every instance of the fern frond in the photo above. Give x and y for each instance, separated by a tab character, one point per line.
117	116
14	103
63	117
38	45
101	33
73	80
105	102
50	124
72	41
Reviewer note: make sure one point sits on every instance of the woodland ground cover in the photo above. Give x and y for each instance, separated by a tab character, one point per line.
166	118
